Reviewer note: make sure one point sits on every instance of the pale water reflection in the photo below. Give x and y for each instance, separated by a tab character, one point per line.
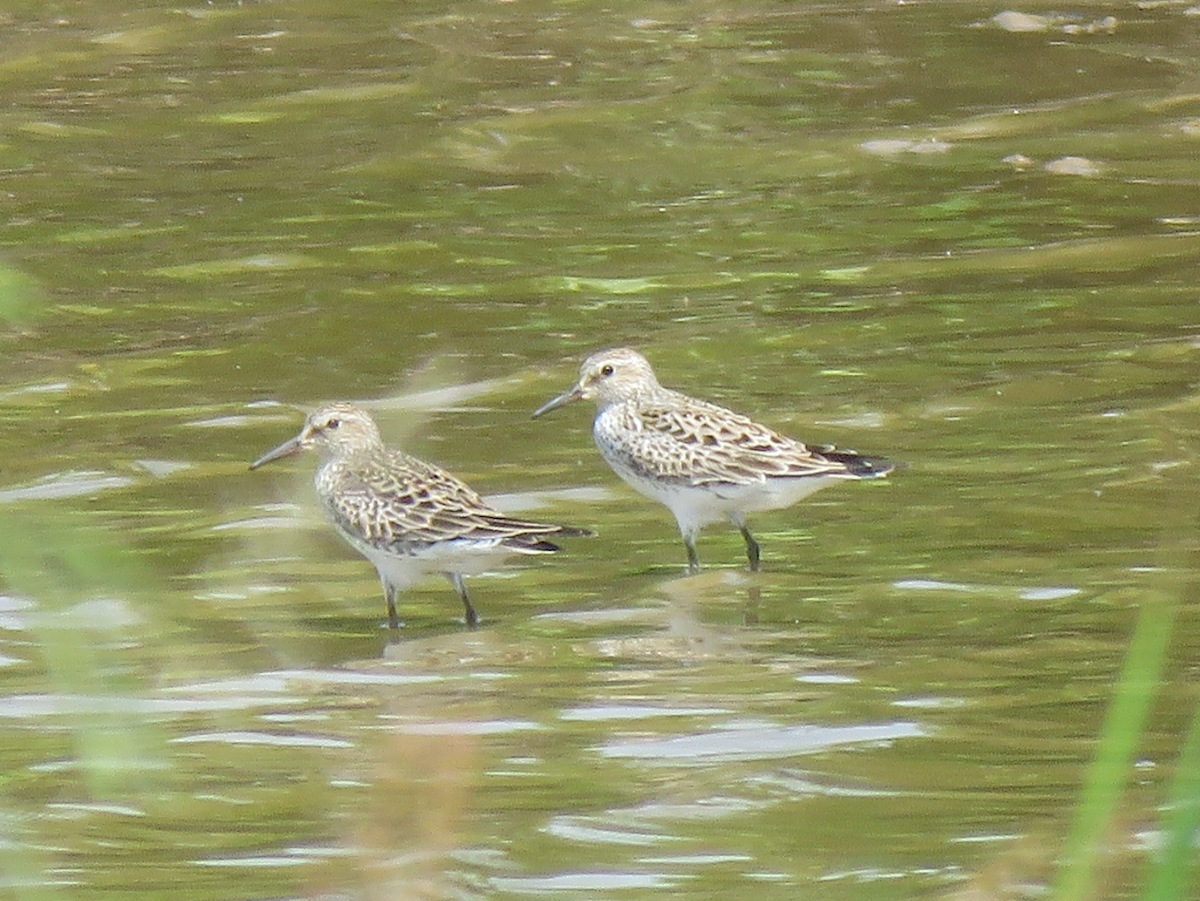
754	741
967	241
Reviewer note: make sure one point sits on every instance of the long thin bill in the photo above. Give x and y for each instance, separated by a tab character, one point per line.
561	401
289	447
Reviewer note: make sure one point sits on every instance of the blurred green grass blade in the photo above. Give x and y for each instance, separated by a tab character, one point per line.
1113	761
23	865
20	296
1175	865
60	561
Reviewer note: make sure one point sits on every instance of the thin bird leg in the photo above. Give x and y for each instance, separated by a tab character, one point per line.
460	586
689	541
751	548
389	592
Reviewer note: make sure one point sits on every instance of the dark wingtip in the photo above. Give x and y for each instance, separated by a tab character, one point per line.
537	544
862	466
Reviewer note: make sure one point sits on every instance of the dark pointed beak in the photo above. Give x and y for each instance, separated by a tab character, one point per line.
289	447
561	401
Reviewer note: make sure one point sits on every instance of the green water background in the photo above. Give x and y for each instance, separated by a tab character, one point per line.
963	242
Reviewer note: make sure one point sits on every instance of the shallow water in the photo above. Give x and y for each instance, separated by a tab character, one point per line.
900	228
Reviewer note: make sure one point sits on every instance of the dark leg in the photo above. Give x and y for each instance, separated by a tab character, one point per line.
460	586
689	541
751	548
389	591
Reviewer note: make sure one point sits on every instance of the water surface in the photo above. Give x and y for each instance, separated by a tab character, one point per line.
912	229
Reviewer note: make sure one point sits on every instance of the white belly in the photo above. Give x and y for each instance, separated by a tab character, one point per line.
694	507
462	557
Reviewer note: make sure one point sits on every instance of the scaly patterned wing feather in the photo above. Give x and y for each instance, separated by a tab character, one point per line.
402	503
698	443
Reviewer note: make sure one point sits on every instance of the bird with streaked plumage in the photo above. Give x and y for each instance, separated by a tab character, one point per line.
406	516
704	462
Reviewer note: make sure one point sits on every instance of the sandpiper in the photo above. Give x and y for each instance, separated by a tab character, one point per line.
406	516
704	462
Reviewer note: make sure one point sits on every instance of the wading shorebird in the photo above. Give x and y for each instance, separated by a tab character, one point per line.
704	462
407	517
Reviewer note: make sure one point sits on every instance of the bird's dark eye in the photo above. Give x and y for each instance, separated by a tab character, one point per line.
606	370
333	423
